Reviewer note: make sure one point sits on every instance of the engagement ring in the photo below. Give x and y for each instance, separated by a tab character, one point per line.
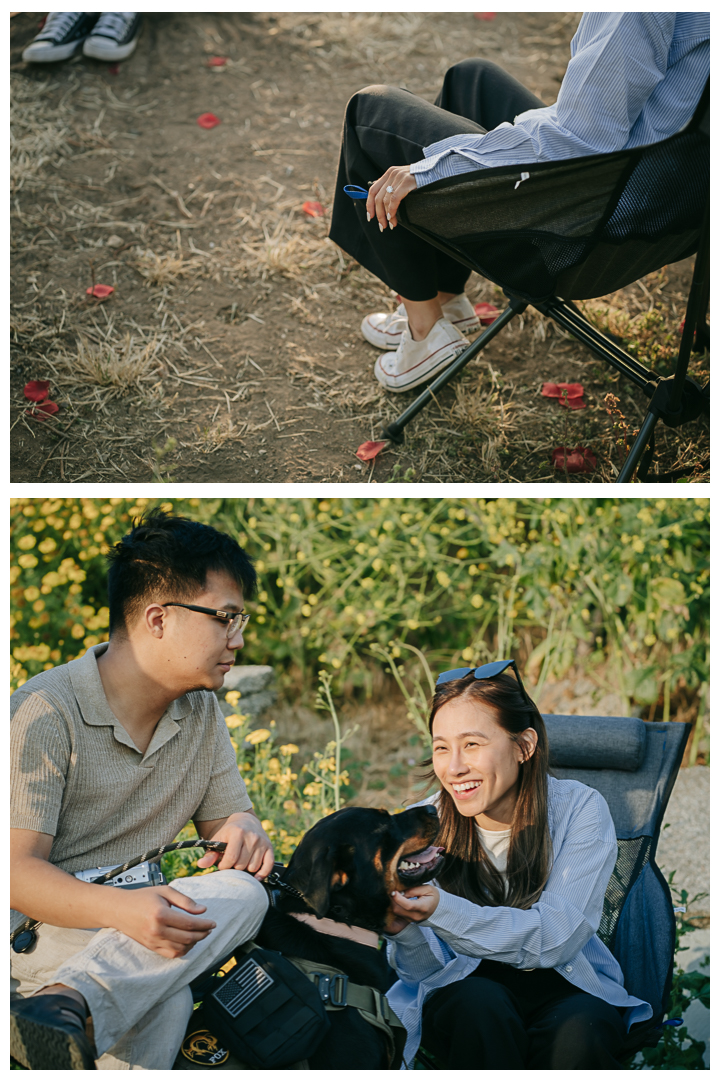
389	189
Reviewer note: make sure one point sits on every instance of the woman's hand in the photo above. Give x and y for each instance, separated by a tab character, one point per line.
417	903
382	204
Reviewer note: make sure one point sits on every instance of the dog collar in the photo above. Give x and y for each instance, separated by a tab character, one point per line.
335	929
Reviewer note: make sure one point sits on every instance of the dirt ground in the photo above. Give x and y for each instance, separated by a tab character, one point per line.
230	349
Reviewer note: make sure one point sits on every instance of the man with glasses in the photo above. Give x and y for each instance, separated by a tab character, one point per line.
112	754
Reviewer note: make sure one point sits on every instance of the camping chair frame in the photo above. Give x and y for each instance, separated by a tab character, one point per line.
675	400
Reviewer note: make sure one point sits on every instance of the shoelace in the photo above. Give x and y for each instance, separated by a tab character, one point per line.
58	23
114	24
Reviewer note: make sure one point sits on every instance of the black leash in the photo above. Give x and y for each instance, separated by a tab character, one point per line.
29	927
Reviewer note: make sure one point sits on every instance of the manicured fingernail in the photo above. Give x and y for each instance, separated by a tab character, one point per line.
380	227
369	217
392	893
391	224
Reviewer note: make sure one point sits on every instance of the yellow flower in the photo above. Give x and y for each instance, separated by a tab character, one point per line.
232	697
257	736
289	748
476	601
467	654
47	545
649	639
443	579
27	562
77	631
26	542
462	553
290	805
233	720
32	593
306	610
268	825
377	565
335	663
39	606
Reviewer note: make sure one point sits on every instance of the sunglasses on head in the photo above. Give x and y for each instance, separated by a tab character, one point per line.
485	671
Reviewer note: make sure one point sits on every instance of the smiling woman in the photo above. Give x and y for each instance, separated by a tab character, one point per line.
508	943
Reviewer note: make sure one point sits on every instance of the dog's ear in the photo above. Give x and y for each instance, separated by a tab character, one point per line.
314	876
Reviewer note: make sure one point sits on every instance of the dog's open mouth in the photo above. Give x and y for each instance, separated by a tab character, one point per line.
421	866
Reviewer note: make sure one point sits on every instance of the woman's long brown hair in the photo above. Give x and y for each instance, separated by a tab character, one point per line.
467	870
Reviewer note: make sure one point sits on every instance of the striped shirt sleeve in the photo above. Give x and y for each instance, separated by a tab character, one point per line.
565	917
618	91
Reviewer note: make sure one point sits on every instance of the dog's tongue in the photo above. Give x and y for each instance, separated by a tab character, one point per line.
428	854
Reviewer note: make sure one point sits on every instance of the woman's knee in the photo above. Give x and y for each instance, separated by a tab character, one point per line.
366	102
586	1035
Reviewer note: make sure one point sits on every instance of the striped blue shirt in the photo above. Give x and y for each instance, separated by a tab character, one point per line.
559	931
633	79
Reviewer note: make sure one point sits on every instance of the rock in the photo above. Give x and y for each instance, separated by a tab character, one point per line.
248	679
255	685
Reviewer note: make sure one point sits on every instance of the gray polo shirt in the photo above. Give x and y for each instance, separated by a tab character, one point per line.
77	774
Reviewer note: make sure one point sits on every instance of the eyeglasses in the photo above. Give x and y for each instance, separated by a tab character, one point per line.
234	621
486	671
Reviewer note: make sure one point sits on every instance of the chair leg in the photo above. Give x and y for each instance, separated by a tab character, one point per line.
636	450
394	430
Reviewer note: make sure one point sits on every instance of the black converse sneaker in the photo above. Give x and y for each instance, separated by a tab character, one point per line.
115	35
62	35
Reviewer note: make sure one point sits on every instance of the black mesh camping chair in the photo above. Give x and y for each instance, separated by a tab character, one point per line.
634	765
579	229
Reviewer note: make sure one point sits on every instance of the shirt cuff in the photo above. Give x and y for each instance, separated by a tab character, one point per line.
410	937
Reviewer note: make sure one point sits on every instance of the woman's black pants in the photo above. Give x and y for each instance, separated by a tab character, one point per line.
385	126
501	1017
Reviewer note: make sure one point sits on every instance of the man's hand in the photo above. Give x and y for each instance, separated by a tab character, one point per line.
248	846
382	204
417	903
157	919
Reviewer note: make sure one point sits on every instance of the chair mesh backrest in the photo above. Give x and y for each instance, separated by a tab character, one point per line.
577	228
634	766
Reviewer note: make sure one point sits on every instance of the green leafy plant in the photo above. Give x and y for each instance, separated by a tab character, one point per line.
676	1048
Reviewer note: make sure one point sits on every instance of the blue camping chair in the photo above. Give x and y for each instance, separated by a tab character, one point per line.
634	766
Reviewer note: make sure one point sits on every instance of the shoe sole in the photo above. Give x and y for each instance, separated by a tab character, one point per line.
96	49
49	54
421	378
39	1046
383	341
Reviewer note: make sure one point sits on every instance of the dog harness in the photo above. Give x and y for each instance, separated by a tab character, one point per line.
338	992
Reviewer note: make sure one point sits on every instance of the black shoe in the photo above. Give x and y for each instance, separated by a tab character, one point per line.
43	1036
62	35
115	36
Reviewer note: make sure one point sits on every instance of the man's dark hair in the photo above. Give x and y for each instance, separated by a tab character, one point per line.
164	558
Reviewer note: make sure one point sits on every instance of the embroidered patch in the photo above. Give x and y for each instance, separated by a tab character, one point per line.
202	1048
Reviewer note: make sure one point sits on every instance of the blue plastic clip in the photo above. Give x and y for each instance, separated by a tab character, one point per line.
355	192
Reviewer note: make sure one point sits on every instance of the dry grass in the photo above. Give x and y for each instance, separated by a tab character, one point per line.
163	269
111	368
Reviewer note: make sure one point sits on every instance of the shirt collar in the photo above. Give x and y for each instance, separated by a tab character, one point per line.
94	708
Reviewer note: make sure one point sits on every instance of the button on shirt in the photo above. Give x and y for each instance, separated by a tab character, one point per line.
633	79
559	931
77	775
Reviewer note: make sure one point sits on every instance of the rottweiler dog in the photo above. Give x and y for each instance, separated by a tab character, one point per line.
343	873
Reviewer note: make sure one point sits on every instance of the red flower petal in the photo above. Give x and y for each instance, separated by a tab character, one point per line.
578	460
37	390
114	69
217	61
484	15
42	410
208	120
486	313
572	403
562	390
313	209
100	291
369	450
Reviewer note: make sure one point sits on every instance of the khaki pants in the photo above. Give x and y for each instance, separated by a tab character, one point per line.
141	1002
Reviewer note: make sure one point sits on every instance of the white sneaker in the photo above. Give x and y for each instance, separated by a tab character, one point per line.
416	362
384	329
114	36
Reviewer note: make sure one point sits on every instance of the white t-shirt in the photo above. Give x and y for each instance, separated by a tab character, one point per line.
496	845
